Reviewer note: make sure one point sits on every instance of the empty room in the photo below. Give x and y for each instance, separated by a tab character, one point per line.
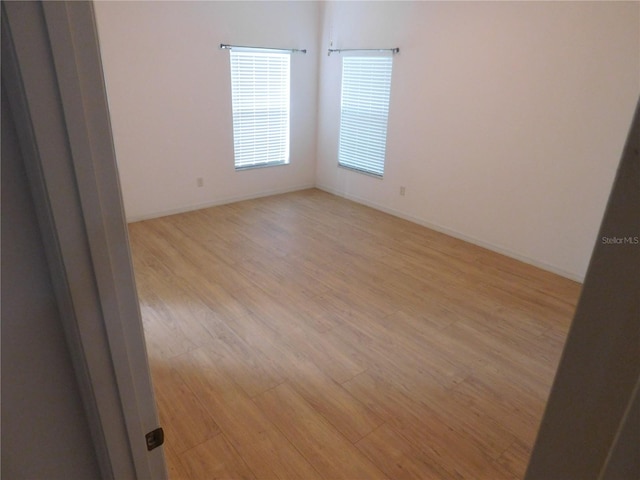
360	235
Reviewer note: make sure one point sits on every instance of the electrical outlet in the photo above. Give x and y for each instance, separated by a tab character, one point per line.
199	181
402	191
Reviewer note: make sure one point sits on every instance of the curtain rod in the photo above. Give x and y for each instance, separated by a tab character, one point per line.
224	46
340	50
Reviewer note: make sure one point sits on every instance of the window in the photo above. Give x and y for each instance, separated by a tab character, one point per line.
366	85
260	105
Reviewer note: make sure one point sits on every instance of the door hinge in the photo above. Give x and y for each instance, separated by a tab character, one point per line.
155	438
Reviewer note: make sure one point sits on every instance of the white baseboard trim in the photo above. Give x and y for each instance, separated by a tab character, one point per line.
217	202
458	235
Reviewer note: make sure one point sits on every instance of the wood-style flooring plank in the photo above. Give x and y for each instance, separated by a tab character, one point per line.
397	457
214	459
515	458
352	418
175	467
247	428
305	336
438	437
287	326
185	421
323	446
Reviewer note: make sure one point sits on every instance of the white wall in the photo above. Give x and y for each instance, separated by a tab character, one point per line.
506	126
507	119
169	88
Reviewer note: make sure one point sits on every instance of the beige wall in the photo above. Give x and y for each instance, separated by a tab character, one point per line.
169	91
507	119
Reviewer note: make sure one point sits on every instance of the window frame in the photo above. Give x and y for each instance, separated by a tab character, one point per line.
370	96
249	126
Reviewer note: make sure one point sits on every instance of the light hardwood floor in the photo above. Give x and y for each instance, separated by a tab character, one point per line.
303	336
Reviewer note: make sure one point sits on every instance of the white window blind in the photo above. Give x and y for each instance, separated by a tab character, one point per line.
260	104
366	86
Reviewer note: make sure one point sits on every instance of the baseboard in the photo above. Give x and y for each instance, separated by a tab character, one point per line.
458	235
217	202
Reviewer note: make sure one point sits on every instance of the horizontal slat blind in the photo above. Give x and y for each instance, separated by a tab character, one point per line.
366	86
260	102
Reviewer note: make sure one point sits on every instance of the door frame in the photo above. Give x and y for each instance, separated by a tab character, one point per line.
53	75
